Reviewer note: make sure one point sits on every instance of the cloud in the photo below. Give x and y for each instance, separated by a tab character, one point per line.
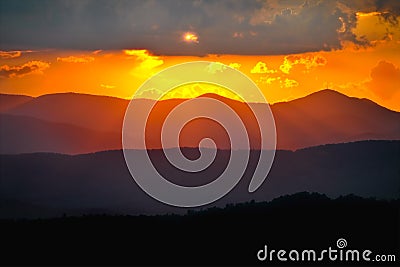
238	35
107	86
10	54
32	67
76	59
139	53
288	83
13	54
268	80
388	10
235	65
215	67
309	62
147	61
261	68
151	93
385	80
226	27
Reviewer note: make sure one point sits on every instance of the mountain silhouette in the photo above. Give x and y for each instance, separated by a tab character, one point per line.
100	113
21	134
327	117
8	102
324	117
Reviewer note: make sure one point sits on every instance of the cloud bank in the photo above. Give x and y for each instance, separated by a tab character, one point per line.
224	27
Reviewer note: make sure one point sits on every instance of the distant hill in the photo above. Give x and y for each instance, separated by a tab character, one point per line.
324	117
100	113
101	181
8	102
21	134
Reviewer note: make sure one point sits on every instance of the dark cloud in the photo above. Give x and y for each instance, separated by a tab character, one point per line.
389	9
10	54
223	27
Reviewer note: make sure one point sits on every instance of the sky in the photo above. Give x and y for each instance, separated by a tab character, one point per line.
288	48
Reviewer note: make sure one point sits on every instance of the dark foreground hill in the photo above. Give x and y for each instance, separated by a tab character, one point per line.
229	236
48	185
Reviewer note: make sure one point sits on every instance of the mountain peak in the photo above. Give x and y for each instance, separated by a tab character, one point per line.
212	95
327	93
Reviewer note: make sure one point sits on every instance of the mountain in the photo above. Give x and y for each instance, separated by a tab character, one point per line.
100	113
327	117
324	117
21	134
101	182
8	102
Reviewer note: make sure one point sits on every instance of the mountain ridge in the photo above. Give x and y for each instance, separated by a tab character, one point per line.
205	94
322	117
101	180
28	134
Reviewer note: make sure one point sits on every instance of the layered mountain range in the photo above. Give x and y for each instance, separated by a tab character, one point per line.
71	123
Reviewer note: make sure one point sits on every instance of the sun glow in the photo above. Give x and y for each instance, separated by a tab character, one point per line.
193	90
369	14
190	37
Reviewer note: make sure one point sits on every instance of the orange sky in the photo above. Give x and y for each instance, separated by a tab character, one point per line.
371	72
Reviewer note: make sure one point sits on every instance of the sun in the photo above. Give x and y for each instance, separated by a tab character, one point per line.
190	37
